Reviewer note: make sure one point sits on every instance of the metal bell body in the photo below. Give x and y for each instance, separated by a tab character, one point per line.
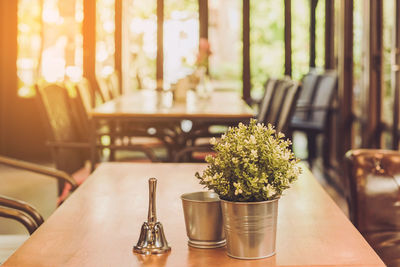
152	238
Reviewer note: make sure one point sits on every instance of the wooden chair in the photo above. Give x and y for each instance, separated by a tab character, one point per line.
68	143
21	211
279	106
68	131
61	176
313	114
309	83
373	182
265	101
103	89
115	86
84	90
134	134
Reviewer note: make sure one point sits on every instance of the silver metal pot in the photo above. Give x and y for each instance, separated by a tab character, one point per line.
203	219
250	228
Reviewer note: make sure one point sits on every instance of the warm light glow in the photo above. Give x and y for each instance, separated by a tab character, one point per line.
55	31
51	13
26	92
53	68
105	42
109	26
74	73
106	71
181	41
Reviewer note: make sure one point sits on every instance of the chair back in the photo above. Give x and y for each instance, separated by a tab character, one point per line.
288	106
104	90
323	97
80	113
269	88
115	84
85	92
315	101
374	199
59	117
277	98
308	86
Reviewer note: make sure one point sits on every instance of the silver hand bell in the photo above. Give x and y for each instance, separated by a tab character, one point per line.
152	238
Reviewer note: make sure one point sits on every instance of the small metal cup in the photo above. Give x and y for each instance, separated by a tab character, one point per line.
203	219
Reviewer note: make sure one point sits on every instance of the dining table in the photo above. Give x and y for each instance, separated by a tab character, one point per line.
144	105
99	224
155	113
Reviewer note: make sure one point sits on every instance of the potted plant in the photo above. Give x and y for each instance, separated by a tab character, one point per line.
252	167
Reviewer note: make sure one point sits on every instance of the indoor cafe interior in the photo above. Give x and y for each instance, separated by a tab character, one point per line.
99	96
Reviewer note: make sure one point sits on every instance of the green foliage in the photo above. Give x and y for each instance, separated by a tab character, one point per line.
253	163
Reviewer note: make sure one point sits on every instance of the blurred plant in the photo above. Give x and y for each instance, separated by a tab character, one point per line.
204	53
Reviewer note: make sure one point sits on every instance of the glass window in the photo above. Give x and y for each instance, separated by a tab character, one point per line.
320	35
267	45
140	44
388	96
300	38
29	45
105	42
225	37
387	90
62	55
181	38
357	70
49	42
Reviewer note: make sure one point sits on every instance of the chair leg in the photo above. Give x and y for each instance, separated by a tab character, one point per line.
326	150
312	148
113	126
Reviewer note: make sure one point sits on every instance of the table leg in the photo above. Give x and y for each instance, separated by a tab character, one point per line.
93	143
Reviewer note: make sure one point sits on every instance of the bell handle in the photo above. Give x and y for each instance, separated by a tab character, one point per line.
152	217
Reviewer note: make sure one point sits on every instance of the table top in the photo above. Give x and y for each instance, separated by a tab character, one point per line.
149	103
99	224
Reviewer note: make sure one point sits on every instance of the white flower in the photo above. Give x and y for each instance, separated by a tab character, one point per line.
207	178
238	189
270	190
254	153
213	141
286	155
252	140
235	160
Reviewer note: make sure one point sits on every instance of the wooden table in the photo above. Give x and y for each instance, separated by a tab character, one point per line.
148	104
99	224
136	112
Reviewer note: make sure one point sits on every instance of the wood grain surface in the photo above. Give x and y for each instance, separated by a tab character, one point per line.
145	103
99	224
